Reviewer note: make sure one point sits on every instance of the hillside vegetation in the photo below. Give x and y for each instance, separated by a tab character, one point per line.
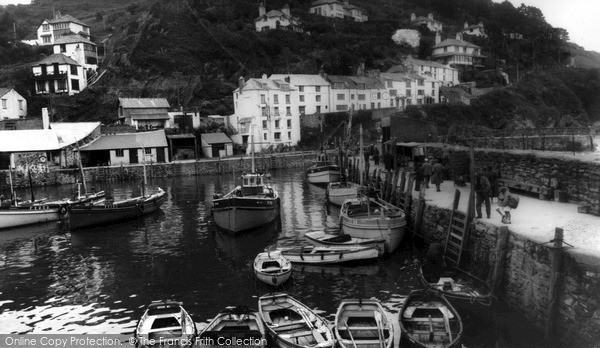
194	51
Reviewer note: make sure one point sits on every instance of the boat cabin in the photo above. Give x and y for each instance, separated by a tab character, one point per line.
253	185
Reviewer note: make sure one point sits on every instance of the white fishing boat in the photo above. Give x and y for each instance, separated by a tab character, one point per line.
428	320
373	219
251	205
329	254
291	324
234	327
323	171
338	192
165	321
363	324
11	217
320	238
272	268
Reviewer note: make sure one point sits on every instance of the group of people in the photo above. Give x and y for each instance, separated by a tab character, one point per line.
371	152
430	171
487	187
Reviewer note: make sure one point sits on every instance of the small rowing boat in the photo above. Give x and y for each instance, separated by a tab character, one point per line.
233	327
320	238
363	324
329	254
455	283
165	321
272	268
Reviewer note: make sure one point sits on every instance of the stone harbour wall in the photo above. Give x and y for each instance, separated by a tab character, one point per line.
575	142
527	276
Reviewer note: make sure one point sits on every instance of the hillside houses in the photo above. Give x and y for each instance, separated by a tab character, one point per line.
60	26
12	104
338	9
276	19
456	52
428	21
58	74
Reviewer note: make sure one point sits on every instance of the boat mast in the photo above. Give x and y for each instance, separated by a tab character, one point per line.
12	188
362	157
252	146
31	185
145	182
80	171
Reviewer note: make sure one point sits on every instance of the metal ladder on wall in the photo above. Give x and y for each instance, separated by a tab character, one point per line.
458	232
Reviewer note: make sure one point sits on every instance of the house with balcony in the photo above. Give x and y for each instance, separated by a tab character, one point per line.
457	52
80	49
475	29
428	21
61	26
276	19
446	75
59	74
144	113
266	111
338	9
12	105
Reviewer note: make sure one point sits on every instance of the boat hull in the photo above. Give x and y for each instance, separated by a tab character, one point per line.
337	194
456	284
10	218
361	317
272	268
314	239
391	230
330	255
239	214
234	327
323	175
93	215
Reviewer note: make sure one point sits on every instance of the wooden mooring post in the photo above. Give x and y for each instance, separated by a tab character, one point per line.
556	256
501	247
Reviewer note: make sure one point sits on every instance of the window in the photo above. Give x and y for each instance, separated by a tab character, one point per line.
276	111
264	111
341	107
341	96
46	27
275	99
362	97
75	84
63	48
420	92
352	96
41	86
421	83
62	85
390	84
408	93
300	88
302	109
148	151
288	111
393	93
276	124
391	102
20	105
4	104
318	98
264	136
301	98
379	105
318	88
289	124
73	70
263	99
318	109
287	98
338	85
290	135
378	95
46	39
372	105
119	153
264	124
277	136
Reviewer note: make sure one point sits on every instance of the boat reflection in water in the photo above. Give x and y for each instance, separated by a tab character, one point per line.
340	271
237	250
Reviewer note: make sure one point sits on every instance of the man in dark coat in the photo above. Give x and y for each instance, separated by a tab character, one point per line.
492	177
437	177
484	191
427	171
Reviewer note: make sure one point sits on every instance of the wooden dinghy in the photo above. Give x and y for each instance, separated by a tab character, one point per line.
272	268
291	324
363	324
456	284
428	320
338	192
321	238
165	321
234	327
329	254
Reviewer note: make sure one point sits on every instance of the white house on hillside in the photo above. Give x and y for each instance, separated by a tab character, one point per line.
12	104
268	110
446	75
60	26
78	48
431	23
338	9
456	52
275	19
475	29
58	74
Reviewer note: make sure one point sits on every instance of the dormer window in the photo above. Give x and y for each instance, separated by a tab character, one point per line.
45	27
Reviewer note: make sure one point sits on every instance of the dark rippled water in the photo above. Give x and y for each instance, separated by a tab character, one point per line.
100	280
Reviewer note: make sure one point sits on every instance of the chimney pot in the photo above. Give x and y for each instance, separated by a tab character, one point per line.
45	119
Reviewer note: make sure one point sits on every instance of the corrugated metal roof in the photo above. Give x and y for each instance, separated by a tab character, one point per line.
128	141
55	58
215	138
143	103
58	136
72	39
302	79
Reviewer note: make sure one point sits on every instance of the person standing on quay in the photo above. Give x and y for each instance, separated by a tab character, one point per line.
483	190
437	177
427	171
503	207
492	177
376	155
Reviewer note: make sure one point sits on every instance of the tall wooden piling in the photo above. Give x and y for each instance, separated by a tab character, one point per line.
501	247
556	256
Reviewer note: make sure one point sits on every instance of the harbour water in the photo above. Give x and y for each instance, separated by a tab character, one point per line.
99	280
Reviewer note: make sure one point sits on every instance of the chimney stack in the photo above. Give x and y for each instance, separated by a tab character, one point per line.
261	9
430	16
286	10
459	36
413	16
466	25
45	119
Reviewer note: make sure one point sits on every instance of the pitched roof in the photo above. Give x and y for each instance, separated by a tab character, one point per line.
454	42
395	76
56	58
325	2
215	138
66	18
262	84
75	38
58	136
351	82
143	103
128	141
428	63
3	91
302	79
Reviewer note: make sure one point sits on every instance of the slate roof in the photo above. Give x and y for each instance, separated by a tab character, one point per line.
454	42
262	84
128	141
56	58
143	103
302	79
427	63
76	38
66	18
351	82
215	138
3	91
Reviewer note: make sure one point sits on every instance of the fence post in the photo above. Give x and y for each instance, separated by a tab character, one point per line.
556	254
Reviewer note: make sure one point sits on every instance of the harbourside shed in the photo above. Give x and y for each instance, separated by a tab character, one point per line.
144	113
216	145
127	148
